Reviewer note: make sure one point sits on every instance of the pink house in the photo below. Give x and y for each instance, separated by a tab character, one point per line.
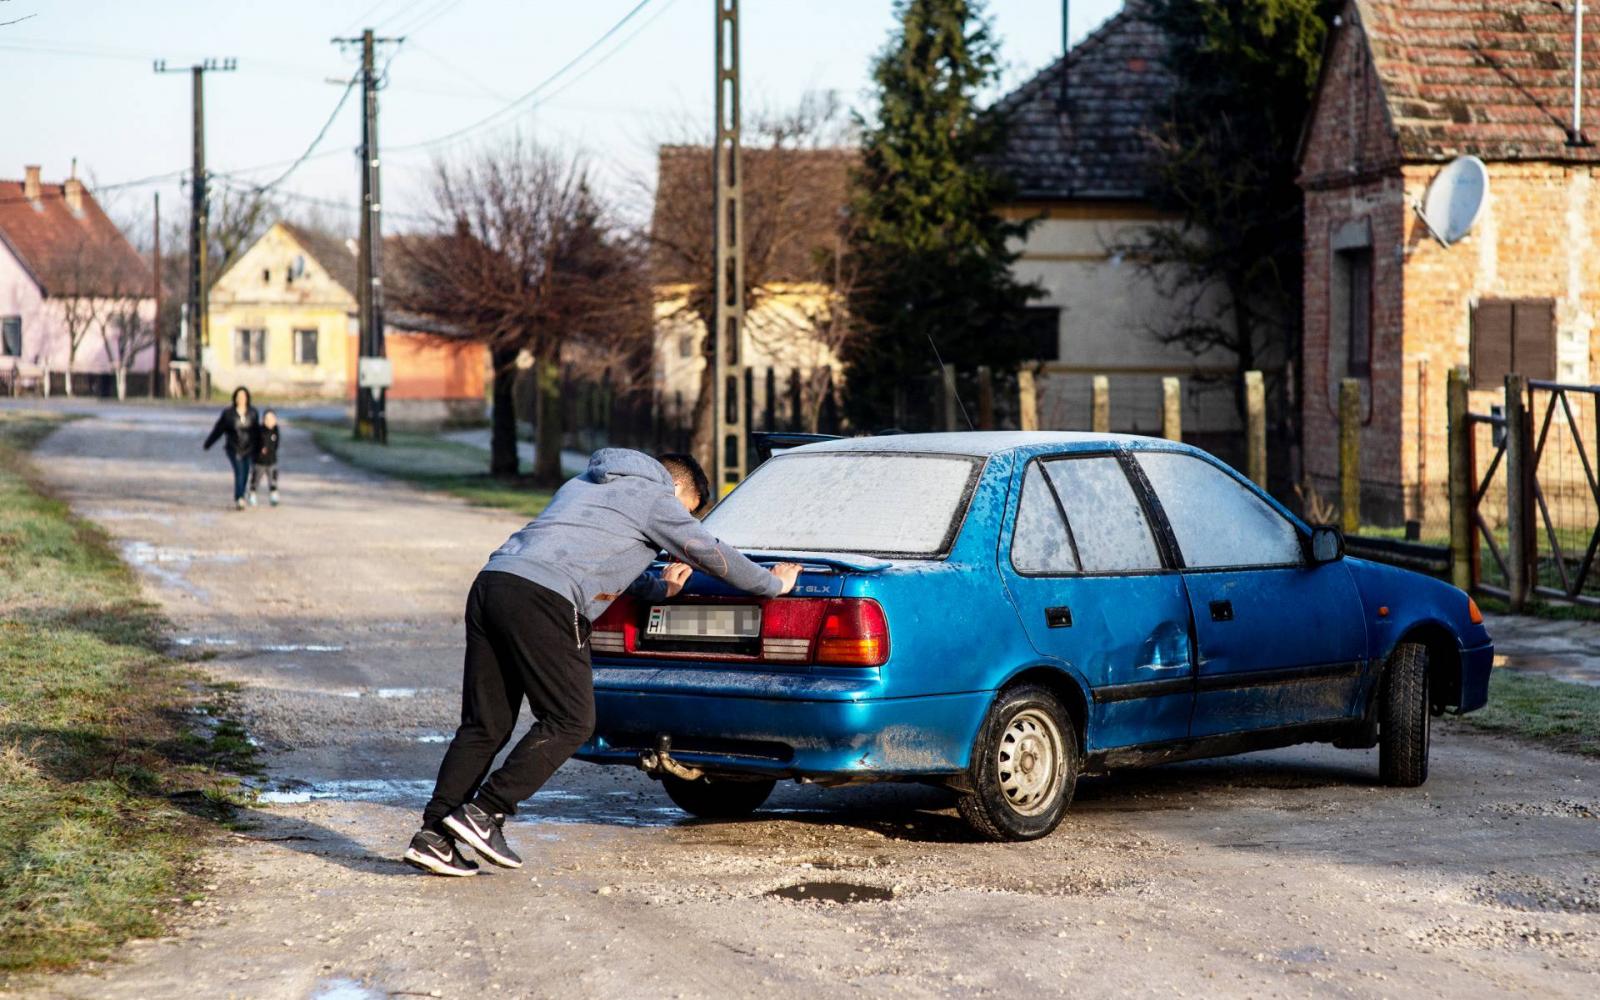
75	297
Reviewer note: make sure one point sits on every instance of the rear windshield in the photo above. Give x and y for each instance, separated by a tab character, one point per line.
879	504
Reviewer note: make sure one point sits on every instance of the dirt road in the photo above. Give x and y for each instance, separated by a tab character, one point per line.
1288	873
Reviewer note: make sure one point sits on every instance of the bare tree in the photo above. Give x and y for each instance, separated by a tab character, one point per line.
94	281
796	187
523	257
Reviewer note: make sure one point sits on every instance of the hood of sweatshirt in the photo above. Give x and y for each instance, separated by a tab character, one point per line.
609	464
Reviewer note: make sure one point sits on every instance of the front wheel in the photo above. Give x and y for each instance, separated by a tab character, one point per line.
712	798
1024	766
1404	718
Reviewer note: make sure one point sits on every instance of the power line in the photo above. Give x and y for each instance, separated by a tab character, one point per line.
321	134
529	95
429	17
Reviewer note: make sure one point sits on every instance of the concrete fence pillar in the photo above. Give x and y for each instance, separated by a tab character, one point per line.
1461	477
1350	455
1171	409
1100	405
1027	401
1255	411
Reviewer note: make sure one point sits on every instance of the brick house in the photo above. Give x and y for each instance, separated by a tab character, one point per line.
1079	150
1407	86
74	294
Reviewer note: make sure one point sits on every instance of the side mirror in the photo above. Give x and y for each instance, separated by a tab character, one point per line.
1327	544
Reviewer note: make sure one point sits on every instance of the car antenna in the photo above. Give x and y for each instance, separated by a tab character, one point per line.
957	394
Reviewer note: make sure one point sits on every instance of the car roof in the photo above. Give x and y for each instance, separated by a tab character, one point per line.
985	443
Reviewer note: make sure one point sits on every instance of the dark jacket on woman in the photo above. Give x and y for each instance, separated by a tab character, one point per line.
241	435
267	451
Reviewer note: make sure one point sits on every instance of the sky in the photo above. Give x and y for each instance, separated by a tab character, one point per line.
82	85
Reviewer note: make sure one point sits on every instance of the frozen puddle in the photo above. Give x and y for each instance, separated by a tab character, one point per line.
433	738
271	647
356	790
345	989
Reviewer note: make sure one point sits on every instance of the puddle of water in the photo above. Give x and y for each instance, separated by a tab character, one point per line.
398	692
345	989
296	647
1309	953
203	640
359	790
433	738
833	892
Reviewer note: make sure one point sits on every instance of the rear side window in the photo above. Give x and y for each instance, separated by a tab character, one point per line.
1039	543
849	501
1217	520
1107	521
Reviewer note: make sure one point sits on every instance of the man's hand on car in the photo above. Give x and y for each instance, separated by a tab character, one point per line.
787	572
675	576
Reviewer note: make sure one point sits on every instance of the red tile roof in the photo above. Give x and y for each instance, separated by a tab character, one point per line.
1488	77
69	253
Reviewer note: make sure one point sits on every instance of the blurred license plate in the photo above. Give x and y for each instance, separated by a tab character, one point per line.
704	621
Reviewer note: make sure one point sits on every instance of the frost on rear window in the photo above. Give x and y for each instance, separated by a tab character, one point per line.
1039	543
1217	520
847	502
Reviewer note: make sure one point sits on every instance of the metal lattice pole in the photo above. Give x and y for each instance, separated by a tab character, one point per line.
729	451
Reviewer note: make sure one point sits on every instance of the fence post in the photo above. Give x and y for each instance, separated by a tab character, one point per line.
768	423
795	423
1461	475
1027	401
1255	410
1100	405
985	399
1519	508
1171	409
947	377
1350	455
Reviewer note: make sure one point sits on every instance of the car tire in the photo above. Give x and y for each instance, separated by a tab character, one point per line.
713	798
1404	717
1024	766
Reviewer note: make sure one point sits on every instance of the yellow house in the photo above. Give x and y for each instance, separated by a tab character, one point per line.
282	315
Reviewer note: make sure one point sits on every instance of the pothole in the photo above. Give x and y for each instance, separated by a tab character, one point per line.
833	892
1572	808
1532	894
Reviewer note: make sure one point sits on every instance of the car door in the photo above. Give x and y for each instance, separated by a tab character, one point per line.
1088	579
1280	640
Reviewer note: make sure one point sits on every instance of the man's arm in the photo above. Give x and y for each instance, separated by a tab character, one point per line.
654	586
676	530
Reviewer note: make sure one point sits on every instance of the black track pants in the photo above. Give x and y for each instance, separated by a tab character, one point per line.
523	641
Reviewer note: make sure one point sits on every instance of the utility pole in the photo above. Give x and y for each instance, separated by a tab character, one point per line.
729	451
371	387
158	377
199	227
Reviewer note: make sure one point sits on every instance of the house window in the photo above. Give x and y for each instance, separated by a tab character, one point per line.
1513	336
1041	326
1357	267
249	347
10	336
305	347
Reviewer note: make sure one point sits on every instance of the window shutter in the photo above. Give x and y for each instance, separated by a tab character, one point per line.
1533	351
1491	344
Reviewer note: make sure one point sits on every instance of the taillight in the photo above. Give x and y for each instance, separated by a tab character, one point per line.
617	630
854	633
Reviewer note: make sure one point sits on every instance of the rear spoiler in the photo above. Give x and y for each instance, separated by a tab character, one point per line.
813	560
766	443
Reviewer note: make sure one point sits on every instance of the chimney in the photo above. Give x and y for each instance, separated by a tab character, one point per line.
30	185
73	189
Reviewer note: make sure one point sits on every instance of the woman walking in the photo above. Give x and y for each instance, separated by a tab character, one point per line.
240	428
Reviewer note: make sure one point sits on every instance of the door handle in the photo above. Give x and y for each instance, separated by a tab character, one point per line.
1058	617
1222	611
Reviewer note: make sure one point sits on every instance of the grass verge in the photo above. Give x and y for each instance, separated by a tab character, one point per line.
110	751
434	463
1556	714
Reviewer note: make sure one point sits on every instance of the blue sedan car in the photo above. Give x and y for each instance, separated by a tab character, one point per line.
999	613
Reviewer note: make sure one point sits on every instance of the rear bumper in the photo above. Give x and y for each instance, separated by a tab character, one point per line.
1476	665
782	725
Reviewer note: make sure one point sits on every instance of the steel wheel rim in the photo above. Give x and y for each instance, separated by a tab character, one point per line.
1028	762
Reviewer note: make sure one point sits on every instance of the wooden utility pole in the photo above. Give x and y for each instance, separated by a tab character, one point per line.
1461	478
158	376
199	221
729	451
1519	494
371	420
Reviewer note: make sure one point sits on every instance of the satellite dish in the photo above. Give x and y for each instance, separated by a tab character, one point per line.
1455	199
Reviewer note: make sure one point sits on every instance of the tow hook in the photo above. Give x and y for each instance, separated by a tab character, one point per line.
660	761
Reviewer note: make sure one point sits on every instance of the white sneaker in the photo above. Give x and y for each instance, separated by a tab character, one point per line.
273	498
252	498
239	503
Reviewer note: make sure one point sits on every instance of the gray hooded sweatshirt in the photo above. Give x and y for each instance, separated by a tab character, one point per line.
603	530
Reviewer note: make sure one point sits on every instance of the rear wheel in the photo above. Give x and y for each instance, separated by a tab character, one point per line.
717	798
1404	718
1024	766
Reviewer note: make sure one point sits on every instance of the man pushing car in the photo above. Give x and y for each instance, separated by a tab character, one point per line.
528	615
